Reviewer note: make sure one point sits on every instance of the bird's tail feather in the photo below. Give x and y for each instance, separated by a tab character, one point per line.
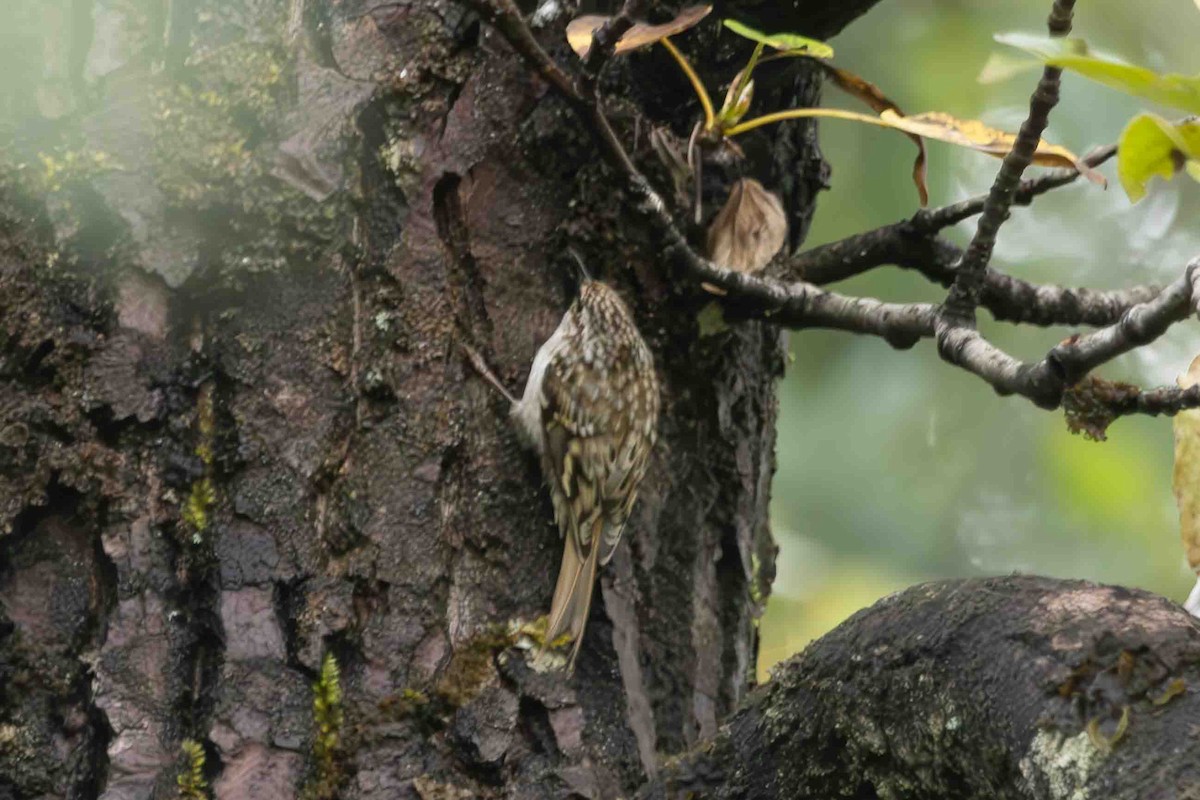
572	596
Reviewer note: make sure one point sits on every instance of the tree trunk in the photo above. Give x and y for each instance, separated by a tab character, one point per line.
242	242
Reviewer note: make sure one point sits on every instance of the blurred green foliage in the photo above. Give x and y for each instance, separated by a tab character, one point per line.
895	468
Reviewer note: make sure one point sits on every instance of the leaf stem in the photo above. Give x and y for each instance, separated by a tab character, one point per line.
697	86
802	113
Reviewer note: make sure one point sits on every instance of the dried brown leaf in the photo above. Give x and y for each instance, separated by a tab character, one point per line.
749	229
874	97
581	30
934	125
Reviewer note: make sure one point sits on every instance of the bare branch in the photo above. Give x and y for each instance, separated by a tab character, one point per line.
894	244
1140	325
1165	400
795	305
1045	381
1008	299
504	16
1014	300
968	282
804	305
899	243
832	722
913	244
604	40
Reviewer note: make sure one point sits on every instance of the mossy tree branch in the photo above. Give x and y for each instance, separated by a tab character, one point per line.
1006	688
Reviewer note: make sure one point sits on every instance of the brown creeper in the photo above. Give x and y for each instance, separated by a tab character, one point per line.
590	410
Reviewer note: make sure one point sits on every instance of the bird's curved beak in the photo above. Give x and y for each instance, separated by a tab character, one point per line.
584	275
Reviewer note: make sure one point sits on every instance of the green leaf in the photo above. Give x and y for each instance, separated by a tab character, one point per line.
788	42
1178	91
711	320
1001	67
1151	145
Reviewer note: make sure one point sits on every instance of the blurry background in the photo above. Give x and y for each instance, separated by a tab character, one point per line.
895	468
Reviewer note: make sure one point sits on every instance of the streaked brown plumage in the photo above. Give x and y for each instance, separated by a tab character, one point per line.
590	409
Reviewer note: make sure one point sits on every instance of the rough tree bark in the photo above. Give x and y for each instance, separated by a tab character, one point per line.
240	242
241	249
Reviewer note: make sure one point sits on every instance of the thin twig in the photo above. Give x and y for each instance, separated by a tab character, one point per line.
856	254
604	40
1140	325
1166	400
1070	361
1008	299
968	282
932	220
505	17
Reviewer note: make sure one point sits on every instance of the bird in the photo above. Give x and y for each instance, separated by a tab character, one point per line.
590	412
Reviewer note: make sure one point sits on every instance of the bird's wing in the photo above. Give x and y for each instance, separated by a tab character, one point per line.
593	450
577	434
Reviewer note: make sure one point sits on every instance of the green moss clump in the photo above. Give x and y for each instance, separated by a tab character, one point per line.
427	712
190	781
471	667
203	495
206	127
196	507
215	146
328	718
206	426
61	167
756	592
410	702
57	173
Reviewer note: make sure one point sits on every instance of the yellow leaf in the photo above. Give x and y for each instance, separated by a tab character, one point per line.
1186	480
974	134
935	125
1177	686
581	29
1151	145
